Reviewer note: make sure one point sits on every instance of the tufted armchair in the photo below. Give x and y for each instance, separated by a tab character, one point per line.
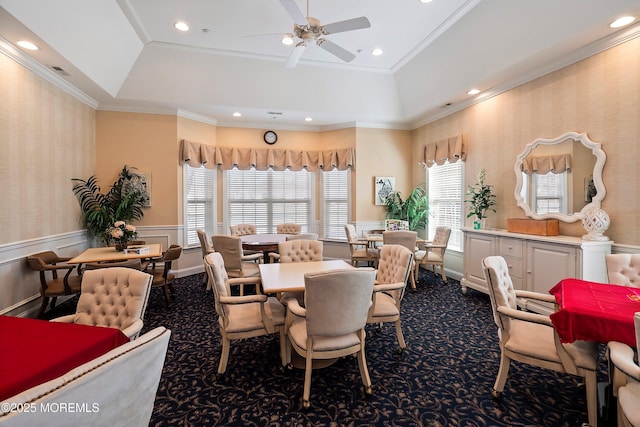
299	251
113	297
288	228
243	229
394	268
51	285
405	238
624	269
433	252
274	257
624	359
530	338
332	323
243	316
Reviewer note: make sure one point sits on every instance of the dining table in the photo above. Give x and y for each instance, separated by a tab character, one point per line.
263	242
110	254
594	311
34	351
289	276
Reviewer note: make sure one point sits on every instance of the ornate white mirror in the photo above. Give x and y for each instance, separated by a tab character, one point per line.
560	178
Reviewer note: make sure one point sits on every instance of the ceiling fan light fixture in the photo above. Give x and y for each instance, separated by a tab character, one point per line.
287	40
622	21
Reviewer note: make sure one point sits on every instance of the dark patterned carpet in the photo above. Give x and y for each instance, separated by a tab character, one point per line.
444	378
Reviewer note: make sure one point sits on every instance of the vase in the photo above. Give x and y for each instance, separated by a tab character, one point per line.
121	245
478	224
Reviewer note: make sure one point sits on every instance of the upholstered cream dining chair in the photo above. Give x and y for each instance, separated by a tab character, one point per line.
288	228
275	257
623	269
394	268
624	359
331	325
298	250
530	338
206	248
405	238
360	250
241	317
433	252
114	297
243	229
230	247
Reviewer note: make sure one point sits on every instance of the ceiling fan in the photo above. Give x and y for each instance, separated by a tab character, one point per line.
309	29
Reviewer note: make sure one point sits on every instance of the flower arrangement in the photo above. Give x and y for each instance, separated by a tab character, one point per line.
121	233
480	198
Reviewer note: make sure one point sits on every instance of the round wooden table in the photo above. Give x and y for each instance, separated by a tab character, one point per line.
267	242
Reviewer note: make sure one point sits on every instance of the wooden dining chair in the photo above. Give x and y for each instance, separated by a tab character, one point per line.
530	337
52	285
162	271
359	249
433	252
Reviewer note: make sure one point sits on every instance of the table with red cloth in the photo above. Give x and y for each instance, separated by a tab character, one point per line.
594	311
35	351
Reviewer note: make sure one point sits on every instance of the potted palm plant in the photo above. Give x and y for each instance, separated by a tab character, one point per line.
414	210
122	203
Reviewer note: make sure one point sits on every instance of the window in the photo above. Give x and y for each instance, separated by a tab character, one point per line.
336	197
548	191
200	209
268	198
445	200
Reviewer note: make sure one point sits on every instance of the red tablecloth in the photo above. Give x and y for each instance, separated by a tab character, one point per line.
595	311
35	351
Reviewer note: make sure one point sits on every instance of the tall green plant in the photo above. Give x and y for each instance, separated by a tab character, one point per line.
415	209
123	202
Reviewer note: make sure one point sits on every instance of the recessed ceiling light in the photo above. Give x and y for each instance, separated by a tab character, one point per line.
621	22
181	26
27	45
425	1
237	114
376	52
308	119
287	40
473	91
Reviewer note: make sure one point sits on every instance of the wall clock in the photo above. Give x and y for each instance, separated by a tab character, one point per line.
270	137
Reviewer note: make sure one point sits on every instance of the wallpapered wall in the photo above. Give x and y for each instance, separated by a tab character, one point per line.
47	138
599	95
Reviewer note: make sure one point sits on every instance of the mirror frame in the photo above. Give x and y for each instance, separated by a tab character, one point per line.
596	150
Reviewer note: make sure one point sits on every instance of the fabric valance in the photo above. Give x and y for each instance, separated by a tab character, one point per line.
449	149
197	154
544	164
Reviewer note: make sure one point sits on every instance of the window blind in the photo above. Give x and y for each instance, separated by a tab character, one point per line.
336	196
446	201
200	209
268	198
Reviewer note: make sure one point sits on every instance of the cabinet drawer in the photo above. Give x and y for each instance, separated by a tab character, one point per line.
511	247
515	267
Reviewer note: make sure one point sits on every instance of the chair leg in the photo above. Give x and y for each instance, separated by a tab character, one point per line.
442	273
308	368
43	307
592	397
224	355
364	371
285	348
400	336
503	373
167	297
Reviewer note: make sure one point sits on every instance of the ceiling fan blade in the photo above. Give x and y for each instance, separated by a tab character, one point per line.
295	55
336	50
348	25
294	11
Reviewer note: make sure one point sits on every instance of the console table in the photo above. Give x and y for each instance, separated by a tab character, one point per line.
536	263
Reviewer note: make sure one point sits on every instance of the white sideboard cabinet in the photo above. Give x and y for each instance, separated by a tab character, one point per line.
536	263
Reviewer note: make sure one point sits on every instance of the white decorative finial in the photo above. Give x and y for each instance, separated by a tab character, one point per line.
596	222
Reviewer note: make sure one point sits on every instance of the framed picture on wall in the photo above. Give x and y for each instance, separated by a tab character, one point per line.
142	181
384	185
